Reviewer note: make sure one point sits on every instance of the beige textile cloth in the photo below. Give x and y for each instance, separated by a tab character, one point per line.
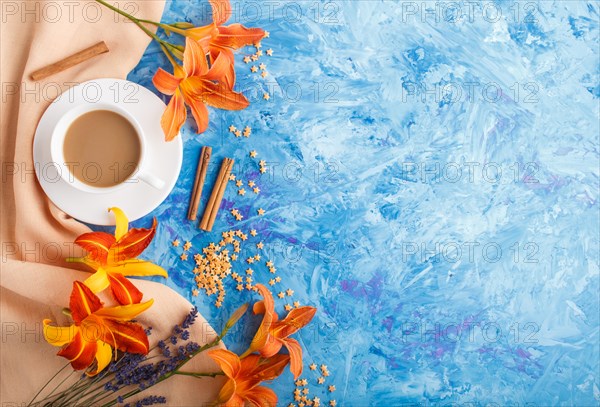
35	281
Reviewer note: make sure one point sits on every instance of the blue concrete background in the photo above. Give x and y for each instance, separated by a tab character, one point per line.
433	190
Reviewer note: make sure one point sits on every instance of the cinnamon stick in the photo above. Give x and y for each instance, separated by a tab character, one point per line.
199	181
214	202
68	62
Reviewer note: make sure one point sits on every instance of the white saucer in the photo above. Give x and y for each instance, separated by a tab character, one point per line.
136	199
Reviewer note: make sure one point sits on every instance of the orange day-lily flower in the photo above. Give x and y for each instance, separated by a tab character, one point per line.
114	257
97	330
244	377
195	85
272	333
218	39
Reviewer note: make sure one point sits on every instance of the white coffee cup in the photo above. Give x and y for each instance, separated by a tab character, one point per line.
141	173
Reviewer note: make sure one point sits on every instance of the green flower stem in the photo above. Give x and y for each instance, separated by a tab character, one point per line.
138	22
47	383
215	374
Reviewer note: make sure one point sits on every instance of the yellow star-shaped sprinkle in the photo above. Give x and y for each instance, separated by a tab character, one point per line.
305	391
242	192
266	96
262	170
238	133
333	403
287	307
250	260
297	304
321	380
249	271
218	304
281	294
232	128
269	263
259	53
272	270
239	217
254	58
323	367
258	45
195	292
183	256
278	279
331	388
251	183
231	178
239	279
239	183
261	211
175	243
253	232
305	382
262	67
325	373
262	163
248	279
187	246
254	68
244	237
253	153
270	52
247	129
289	292
256	190
312	366
271	282
264	74
248	286
260	245
316	400
246	59
267	34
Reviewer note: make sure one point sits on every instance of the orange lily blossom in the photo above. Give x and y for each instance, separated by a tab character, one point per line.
195	85
273	333
96	331
114	257
244	377
219	39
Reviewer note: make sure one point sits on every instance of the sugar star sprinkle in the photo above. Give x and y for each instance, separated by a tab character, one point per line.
289	292
297	304
263	170
239	183
253	153
259	53
266	96
287	307
232	128
183	256
251	183
187	246
264	74
242	192
321	380
271	282
270	52
312	366
247	131
231	177
260	245
333	403
278	279
331	388
238	133
253	232
256	190
262	67
254	58
281	294
254	68
261	211
175	243
247	59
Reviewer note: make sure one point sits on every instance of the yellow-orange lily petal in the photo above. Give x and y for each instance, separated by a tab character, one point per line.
165	82
194	59
122	223
221	10
103	357
123	290
125	312
58	335
174	116
132	244
200	113
98	281
137	268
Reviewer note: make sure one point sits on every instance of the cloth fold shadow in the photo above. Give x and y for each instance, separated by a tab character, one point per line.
35	280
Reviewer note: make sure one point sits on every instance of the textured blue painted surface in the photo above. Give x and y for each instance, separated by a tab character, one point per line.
433	191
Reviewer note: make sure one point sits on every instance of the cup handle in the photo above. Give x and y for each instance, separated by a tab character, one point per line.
151	180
